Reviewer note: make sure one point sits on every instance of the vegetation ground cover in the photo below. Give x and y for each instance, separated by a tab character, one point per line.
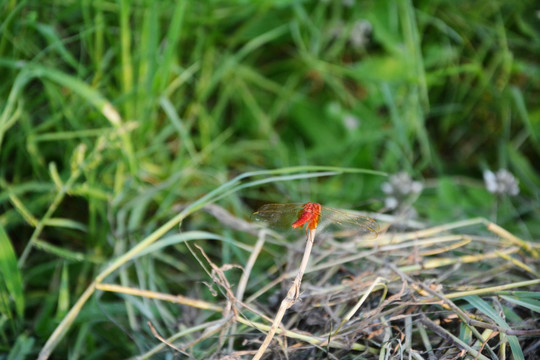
136	138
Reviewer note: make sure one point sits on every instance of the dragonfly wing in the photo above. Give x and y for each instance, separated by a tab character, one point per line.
277	215
349	221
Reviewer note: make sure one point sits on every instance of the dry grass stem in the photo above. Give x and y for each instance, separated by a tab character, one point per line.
513	239
292	295
450	338
493	289
242	283
177	299
358	304
518	264
160	338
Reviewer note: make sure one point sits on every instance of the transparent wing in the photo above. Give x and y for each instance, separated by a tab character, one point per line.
348	221
278	215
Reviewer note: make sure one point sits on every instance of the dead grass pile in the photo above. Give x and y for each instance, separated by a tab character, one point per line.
468	289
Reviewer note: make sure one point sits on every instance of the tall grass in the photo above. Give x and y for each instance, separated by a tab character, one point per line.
118	119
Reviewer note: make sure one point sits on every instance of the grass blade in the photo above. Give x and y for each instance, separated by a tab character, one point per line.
10	273
484	307
533	305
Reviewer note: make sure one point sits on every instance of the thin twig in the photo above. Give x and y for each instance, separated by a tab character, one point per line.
353	311
160	338
290	299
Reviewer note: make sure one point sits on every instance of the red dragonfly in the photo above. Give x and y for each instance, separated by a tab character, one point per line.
313	215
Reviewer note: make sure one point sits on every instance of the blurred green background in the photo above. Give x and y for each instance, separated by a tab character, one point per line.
115	112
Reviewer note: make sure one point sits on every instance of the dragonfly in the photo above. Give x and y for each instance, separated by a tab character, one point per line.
313	215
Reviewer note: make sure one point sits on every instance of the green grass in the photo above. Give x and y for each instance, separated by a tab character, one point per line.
120	120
